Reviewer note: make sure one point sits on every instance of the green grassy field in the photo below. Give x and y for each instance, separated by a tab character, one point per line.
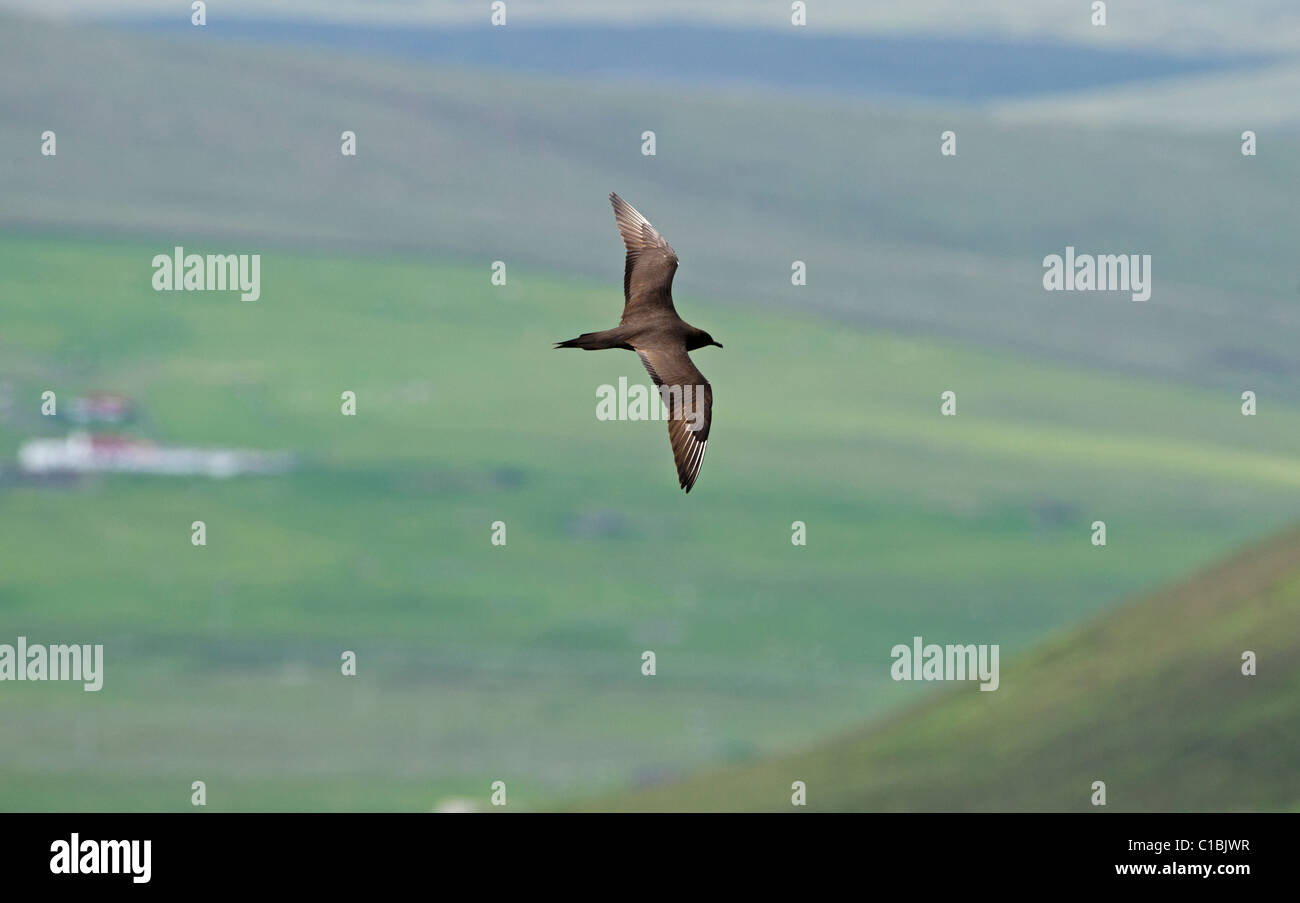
222	662
1150	699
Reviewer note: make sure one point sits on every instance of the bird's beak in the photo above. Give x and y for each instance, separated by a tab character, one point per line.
719	344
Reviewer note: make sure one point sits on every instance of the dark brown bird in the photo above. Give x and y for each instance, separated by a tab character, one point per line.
651	327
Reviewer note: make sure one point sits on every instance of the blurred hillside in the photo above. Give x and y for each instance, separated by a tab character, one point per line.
212	139
1149	699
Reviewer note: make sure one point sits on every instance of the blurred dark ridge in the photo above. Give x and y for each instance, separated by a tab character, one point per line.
934	66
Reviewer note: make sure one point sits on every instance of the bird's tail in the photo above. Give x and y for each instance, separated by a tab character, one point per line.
594	341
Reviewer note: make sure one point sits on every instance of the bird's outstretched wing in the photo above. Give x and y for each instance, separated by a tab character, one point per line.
651	262
690	406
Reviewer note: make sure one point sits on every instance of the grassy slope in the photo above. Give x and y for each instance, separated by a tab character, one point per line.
222	660
1149	699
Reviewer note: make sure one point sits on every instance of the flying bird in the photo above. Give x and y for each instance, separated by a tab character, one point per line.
651	327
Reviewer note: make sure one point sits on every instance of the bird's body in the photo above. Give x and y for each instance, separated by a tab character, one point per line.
651	327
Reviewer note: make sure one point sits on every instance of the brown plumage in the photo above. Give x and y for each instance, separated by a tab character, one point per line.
651	327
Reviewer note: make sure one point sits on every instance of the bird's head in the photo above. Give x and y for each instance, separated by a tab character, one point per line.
702	338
